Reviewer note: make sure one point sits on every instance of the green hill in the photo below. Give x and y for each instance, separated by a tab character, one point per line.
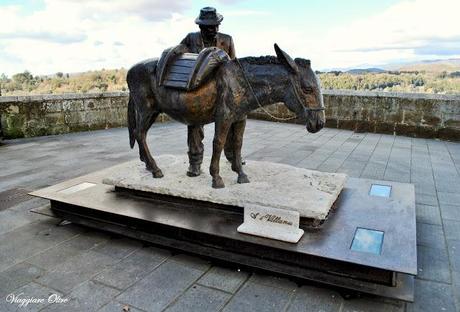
423	77
92	81
435	66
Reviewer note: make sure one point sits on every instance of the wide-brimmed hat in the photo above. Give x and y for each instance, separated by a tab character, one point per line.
209	16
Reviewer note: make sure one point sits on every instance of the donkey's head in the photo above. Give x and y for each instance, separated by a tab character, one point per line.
304	96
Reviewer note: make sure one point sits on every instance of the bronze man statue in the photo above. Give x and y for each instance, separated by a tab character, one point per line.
208	36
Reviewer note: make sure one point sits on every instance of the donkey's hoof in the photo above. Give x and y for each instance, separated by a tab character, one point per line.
243	178
193	171
157	174
218	183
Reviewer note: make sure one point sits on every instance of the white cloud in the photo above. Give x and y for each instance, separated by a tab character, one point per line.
153	10
228	2
232	13
73	36
407	31
415	30
45	36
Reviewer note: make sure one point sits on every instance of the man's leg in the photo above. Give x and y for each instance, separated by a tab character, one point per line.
228	148
195	137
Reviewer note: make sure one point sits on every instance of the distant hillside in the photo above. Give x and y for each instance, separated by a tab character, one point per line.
360	71
433	76
435	66
26	83
425	77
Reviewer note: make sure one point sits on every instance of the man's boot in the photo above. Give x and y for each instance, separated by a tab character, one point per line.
195	135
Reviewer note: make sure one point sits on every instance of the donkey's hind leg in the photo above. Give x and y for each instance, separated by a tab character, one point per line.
144	152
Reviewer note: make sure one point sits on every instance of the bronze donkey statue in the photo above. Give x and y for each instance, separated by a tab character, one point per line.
238	87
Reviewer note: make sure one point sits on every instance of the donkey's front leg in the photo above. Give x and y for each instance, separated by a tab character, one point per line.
220	135
237	163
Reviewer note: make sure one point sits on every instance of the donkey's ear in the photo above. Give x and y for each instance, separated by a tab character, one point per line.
285	59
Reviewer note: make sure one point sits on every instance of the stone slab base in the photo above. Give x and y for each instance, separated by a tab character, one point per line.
311	193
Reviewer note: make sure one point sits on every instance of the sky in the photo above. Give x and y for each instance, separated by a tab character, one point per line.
49	36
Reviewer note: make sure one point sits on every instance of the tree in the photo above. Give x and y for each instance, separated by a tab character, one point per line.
3	80
59	74
24	77
418	82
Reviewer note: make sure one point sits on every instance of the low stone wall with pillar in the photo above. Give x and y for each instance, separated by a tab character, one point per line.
410	114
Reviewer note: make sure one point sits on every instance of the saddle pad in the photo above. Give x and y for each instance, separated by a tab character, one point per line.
180	71
187	71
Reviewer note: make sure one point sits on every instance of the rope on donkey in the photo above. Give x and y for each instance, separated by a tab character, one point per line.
257	100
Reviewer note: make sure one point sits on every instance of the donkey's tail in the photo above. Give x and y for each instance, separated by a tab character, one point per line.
131	122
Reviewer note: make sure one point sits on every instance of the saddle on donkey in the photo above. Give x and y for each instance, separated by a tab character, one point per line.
187	71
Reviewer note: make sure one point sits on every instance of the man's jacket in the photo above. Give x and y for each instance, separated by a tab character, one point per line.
194	43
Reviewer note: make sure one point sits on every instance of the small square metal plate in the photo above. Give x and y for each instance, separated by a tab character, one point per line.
77	188
366	240
380	190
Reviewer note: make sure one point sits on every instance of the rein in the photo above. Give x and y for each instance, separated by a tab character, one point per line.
308	109
267	112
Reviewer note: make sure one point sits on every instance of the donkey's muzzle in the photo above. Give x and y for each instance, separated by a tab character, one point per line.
315	123
314	128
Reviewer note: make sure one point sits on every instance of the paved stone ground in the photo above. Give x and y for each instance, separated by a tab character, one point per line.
98	272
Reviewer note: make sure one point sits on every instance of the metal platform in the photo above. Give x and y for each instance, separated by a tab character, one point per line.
368	243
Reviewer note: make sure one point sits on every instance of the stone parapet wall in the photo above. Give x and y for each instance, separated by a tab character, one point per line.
28	116
411	114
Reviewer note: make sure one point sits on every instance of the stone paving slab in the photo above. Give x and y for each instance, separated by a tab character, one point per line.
60	253
26	241
89	296
260	298
32	290
315	299
132	268
430	296
157	290
225	279
96	271
199	298
428	214
18	276
78	269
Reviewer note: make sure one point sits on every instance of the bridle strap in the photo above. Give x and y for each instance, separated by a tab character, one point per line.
308	109
255	96
319	109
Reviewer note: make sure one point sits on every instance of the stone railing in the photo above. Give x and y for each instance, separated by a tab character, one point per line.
28	116
417	115
410	114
